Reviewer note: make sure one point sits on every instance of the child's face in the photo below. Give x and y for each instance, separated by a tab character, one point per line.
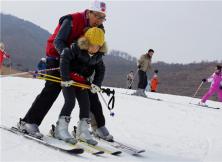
217	71
93	49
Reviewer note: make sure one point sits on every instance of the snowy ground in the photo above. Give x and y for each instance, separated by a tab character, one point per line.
170	130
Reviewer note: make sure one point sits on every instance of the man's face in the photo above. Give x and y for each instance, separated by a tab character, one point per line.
150	53
96	18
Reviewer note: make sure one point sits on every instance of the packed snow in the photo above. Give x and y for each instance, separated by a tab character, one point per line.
170	130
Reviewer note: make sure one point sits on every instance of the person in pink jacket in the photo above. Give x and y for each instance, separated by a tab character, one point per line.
216	86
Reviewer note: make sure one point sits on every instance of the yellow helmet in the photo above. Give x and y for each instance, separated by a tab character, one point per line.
95	36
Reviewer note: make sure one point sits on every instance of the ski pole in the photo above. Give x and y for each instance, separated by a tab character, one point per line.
197	91
30	72
59	81
110	109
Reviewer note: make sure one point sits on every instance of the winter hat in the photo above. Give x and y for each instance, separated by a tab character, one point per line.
156	71
43	59
98	6
2	46
219	67
95	36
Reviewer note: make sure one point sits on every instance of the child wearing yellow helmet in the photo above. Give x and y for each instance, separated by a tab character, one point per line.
77	64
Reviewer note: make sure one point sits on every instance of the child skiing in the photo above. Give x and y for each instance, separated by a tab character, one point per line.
216	86
77	64
154	82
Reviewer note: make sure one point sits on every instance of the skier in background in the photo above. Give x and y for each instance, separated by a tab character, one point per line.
41	66
216	86
144	65
154	82
130	79
3	55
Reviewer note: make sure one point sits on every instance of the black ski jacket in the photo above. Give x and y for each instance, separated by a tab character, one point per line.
76	59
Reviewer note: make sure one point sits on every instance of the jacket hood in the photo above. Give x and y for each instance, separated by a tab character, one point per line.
83	44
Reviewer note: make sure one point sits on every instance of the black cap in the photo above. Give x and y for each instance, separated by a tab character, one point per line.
156	71
219	67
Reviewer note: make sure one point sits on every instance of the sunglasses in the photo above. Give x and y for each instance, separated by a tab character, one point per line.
99	17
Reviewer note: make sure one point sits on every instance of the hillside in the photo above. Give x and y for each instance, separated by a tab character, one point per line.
24	40
170	131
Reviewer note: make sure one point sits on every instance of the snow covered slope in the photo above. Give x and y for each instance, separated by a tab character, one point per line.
170	130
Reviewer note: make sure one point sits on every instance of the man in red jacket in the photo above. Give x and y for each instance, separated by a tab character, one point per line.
69	29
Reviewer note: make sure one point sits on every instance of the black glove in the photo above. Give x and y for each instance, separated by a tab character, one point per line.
139	66
221	87
204	80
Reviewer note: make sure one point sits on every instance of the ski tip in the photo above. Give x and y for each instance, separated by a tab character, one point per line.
138	153
116	153
98	153
76	151
141	151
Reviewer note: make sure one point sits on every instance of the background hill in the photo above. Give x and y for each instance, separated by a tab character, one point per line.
25	42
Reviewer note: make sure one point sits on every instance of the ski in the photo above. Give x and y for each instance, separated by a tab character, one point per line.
102	148
86	148
205	106
133	150
156	99
47	141
151	98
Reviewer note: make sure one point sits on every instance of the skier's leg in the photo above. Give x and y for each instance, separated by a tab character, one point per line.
210	92
219	94
83	132
61	129
69	104
96	109
46	98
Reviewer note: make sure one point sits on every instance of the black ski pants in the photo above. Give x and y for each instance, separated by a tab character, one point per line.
46	98
70	95
142	79
96	109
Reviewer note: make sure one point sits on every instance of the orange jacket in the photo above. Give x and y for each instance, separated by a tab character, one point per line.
154	84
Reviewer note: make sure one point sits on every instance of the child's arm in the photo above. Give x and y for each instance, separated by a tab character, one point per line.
210	79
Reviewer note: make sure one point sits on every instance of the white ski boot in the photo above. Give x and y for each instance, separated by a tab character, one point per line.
30	129
140	92
61	130
202	104
83	134
103	133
